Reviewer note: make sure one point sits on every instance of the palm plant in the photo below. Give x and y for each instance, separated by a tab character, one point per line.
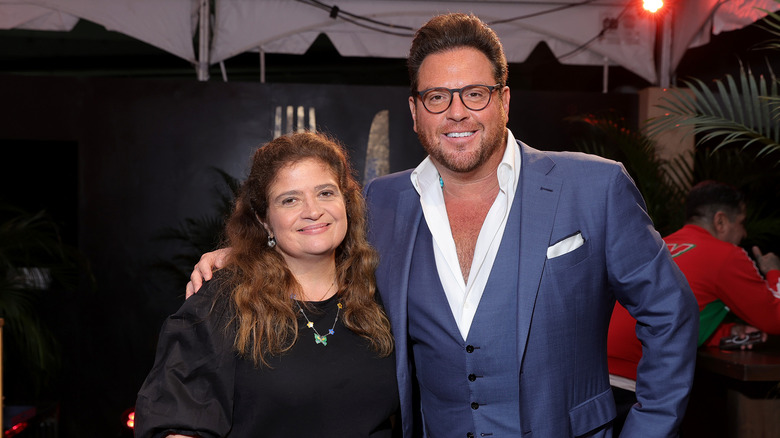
34	262
196	236
756	178
745	112
664	184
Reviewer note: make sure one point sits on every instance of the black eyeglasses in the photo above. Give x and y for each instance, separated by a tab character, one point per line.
474	97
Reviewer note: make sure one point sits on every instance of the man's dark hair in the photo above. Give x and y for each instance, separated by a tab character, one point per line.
452	31
708	197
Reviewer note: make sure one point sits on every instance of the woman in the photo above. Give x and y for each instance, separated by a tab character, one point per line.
288	340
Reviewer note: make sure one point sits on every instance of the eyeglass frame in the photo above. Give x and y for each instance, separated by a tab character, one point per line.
452	91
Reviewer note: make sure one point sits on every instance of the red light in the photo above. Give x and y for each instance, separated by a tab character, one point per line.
16	429
652	5
130	419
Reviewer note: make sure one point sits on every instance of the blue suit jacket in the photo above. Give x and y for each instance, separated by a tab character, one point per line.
565	302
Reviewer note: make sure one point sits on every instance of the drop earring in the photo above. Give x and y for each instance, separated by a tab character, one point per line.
271	241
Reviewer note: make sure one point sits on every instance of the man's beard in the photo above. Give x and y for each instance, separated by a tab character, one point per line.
493	140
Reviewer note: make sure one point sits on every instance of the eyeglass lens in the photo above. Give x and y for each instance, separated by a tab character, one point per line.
474	97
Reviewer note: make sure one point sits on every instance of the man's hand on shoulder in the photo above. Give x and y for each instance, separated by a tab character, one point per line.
211	261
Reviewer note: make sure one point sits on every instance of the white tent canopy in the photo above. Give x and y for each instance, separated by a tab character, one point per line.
244	25
595	32
696	20
165	24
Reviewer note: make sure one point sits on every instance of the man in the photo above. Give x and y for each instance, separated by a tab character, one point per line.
723	278
500	265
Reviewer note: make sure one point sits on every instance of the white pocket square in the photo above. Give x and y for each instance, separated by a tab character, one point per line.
565	246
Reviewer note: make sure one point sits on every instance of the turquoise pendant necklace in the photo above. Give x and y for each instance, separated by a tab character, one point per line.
318	338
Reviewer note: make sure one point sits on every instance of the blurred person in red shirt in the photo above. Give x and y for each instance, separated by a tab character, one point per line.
722	277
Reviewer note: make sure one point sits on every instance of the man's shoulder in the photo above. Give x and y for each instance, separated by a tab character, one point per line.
564	160
390	198
387	185
691	233
395	178
696	242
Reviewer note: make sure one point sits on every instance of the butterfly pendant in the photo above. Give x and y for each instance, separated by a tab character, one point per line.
321	340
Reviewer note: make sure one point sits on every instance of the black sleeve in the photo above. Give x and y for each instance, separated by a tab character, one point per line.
189	390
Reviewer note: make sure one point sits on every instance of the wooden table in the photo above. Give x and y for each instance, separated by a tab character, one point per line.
761	365
736	393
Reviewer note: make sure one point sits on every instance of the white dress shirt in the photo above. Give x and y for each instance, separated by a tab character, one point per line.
464	297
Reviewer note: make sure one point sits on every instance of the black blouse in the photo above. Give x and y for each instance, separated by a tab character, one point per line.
199	386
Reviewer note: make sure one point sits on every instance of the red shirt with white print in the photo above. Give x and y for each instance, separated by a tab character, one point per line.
715	270
718	270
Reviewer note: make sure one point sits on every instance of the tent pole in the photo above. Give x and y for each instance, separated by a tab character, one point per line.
262	65
203	46
666	51
224	72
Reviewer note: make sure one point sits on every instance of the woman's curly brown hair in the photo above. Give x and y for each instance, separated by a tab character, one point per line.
260	285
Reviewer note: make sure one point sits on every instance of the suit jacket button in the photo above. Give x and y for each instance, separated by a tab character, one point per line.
469	348
469	435
474	405
472	377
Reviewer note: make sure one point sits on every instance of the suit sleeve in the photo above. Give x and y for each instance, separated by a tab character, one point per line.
189	390
649	285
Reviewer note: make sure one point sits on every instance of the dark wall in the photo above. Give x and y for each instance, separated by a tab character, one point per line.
145	153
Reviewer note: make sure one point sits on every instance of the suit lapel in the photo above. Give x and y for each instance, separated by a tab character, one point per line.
539	195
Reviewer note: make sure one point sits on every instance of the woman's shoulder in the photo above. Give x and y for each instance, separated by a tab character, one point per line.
211	300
